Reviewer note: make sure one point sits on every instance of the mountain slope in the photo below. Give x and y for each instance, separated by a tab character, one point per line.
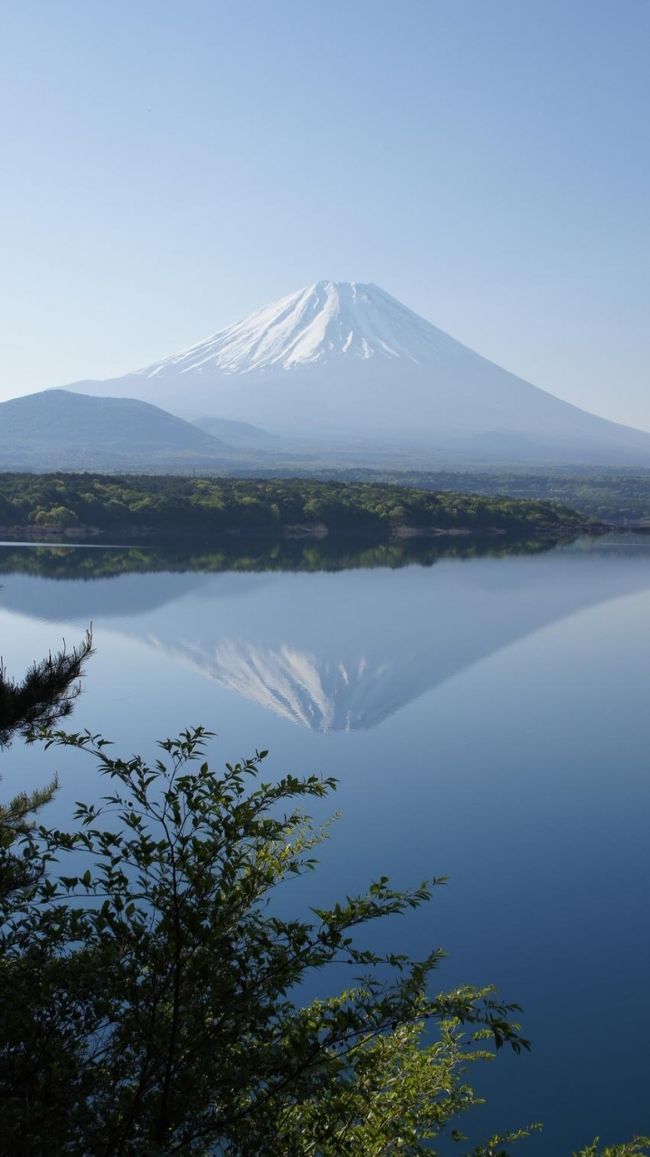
236	433
347	362
58	429
319	325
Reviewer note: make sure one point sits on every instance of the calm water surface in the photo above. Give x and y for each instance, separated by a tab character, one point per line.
487	718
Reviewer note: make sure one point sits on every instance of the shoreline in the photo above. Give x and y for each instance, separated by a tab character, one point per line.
132	535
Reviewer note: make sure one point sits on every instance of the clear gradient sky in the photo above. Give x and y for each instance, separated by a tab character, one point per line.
170	165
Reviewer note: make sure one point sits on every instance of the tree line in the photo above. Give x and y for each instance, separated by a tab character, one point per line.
617	496
169	504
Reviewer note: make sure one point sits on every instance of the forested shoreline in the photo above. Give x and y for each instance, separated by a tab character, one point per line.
37	505
617	496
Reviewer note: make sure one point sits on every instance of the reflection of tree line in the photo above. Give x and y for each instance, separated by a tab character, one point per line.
72	562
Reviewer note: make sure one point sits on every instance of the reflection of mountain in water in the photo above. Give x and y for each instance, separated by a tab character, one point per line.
81	600
253	554
324	696
186	568
342	651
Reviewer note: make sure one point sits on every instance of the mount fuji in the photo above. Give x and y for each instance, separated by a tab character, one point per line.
346	364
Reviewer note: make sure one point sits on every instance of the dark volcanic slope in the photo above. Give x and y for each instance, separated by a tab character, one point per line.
57	429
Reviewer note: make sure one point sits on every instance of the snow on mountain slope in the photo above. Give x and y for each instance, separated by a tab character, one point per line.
345	362
317	325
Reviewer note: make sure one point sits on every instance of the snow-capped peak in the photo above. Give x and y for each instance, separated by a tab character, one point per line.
325	321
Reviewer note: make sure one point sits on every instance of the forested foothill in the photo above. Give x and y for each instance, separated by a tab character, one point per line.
619	497
133	504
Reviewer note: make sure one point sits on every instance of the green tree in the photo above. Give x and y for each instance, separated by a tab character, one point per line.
637	1147
56	516
45	695
149	1002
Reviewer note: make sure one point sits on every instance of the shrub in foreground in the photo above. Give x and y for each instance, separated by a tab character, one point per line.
150	999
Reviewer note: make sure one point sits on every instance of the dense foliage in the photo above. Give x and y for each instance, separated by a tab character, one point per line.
148	995
150	989
206	505
45	695
621	497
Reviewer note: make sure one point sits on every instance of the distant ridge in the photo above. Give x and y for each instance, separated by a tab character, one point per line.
236	433
61	430
345	362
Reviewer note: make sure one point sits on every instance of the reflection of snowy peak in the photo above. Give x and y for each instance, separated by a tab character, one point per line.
342	651
323	696
308	689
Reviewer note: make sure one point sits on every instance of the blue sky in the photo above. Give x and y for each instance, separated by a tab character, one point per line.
170	166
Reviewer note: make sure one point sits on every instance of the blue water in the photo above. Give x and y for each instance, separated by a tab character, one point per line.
486	719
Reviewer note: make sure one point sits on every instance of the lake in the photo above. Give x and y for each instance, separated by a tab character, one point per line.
486	718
